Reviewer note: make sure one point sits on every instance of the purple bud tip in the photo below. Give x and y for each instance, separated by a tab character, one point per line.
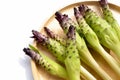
83	8
39	37
31	54
103	3
49	32
77	13
27	51
60	17
71	32
35	33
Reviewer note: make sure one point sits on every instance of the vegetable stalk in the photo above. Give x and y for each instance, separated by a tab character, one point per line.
84	53
72	60
55	36
108	16
52	45
103	30
93	40
83	71
49	65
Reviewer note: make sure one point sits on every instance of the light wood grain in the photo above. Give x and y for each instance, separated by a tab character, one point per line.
40	74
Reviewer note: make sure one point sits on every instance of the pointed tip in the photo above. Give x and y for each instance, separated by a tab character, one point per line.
27	51
49	33
75	9
103	3
34	32
32	54
77	13
24	49
61	17
47	30
71	32
58	16
39	37
83	8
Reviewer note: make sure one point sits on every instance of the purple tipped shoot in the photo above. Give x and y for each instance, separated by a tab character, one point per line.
71	32
39	37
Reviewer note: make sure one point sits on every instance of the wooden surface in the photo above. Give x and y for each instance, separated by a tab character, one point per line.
40	74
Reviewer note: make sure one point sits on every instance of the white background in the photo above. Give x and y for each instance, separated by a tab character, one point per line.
17	19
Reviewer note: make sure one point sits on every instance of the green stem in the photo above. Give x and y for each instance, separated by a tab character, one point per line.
93	40
72	60
52	45
48	64
84	53
88	59
103	30
84	72
116	50
109	17
110	60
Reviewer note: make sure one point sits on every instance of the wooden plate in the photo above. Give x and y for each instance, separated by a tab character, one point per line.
40	74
